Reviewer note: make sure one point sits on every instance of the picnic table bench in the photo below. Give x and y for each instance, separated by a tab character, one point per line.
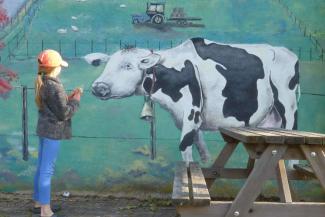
267	149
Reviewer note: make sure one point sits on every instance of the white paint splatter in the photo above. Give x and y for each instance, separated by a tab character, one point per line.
74	28
62	31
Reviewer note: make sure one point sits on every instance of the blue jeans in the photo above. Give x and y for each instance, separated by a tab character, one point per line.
47	153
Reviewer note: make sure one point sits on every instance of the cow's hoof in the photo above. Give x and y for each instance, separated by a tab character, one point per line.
205	158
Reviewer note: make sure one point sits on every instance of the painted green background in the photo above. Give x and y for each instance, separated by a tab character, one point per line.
113	163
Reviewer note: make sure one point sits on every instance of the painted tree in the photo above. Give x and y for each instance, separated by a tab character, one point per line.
6	77
4	18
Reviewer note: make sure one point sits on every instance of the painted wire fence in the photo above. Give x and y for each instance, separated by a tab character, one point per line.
18	119
23	16
18	49
302	26
13	32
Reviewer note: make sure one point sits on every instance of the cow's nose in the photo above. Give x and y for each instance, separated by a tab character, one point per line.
101	89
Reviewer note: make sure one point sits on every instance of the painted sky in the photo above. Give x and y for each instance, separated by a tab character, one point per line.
12	6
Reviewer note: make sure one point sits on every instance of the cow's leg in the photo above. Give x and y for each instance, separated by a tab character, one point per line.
201	146
191	123
187	155
272	120
185	146
284	91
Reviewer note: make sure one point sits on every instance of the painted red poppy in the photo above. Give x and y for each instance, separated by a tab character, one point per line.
2	45
6	76
5	86
4	18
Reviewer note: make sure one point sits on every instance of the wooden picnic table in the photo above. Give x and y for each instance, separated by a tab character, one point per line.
267	149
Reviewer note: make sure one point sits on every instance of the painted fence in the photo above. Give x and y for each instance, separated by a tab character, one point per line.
26	49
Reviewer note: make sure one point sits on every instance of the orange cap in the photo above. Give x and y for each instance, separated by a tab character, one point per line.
51	58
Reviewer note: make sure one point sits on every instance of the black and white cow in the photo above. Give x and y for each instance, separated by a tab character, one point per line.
206	85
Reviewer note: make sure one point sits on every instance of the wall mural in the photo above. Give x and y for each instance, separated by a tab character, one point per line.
206	85
206	64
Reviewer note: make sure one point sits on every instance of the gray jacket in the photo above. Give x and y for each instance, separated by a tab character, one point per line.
54	118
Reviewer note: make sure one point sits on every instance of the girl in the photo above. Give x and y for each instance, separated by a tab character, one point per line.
55	110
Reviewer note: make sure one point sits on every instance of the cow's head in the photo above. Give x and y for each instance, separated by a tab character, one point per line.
123	72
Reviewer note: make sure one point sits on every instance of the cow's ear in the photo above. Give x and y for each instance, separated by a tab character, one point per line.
96	59
149	61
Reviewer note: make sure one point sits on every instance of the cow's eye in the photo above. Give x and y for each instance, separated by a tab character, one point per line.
128	66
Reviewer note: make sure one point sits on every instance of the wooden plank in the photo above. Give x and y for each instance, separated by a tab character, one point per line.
201	196
264	168
259	209
255	150
231	173
224	155
226	173
316	157
304	169
291	139
269	136
241	135
310	138
294	153
221	160
250	164
181	193
316	134
283	183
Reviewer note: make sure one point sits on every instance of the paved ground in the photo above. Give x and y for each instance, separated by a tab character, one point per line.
18	204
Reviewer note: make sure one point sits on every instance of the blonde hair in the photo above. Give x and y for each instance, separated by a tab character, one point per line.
39	82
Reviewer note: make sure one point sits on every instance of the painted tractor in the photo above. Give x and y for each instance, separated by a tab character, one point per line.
155	14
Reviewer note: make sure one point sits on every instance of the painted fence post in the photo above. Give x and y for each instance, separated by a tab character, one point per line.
9	52
153	137
310	54
27	51
25	124
75	47
60	47
305	31
299	52
105	45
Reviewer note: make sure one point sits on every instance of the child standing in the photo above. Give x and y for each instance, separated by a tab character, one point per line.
55	110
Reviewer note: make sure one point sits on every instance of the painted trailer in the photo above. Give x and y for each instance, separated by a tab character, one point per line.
155	17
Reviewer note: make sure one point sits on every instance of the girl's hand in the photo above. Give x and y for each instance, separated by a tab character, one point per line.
76	96
71	95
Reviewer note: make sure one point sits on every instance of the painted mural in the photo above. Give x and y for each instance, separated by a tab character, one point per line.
206	85
228	62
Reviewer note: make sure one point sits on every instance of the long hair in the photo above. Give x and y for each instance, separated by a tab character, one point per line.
42	71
